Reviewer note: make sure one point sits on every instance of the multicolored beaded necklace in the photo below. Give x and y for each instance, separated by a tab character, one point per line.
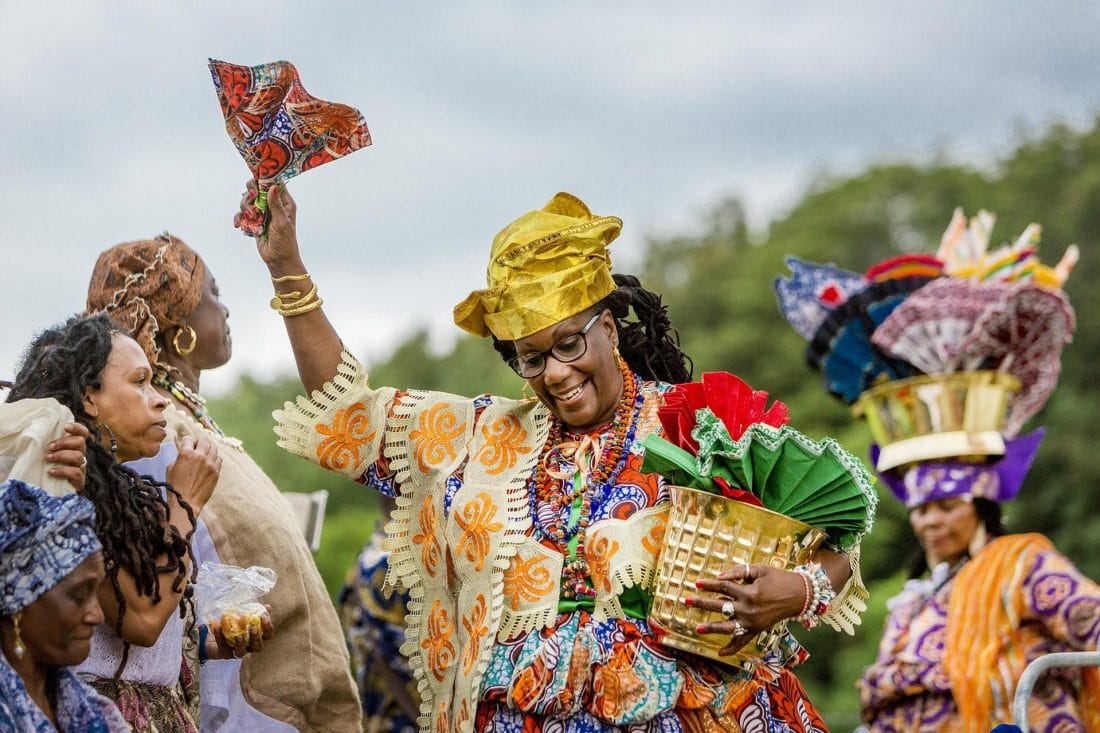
195	404
562	487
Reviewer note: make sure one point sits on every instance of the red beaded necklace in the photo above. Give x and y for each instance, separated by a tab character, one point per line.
564	478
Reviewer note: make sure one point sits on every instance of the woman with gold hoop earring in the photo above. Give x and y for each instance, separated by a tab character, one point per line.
184	350
162	292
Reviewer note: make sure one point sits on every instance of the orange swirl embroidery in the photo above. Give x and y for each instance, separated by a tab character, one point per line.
441	652
655	540
526	580
474	519
432	439
346	435
504	443
600	553
476	629
463	716
429	546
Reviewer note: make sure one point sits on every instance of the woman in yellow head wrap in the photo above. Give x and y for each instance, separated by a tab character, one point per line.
525	530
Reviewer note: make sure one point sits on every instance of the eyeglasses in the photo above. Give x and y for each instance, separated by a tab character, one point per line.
566	349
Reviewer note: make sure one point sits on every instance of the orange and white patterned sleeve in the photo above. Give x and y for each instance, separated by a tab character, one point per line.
340	427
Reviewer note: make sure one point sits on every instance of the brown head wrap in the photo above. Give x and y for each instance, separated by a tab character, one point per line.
146	287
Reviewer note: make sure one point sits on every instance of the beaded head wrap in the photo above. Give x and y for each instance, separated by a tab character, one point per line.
42	539
544	267
146	287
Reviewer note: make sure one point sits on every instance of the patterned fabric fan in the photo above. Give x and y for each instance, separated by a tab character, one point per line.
751	450
842	346
929	328
812	292
1024	334
279	128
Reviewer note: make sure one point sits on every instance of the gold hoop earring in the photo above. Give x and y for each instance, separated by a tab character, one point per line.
525	393
184	350
17	648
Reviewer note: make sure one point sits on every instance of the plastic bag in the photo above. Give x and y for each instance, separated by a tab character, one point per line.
229	596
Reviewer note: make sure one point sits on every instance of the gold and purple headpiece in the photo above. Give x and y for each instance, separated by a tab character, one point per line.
945	355
920	483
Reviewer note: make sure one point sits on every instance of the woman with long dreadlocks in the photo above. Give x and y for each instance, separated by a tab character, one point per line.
524	530
104	378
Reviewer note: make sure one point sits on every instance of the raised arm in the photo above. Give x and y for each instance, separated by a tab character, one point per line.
316	345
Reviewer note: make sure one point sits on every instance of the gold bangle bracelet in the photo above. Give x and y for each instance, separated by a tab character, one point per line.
290	278
302	310
294	299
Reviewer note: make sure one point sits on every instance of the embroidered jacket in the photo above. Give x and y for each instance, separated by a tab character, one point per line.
462	546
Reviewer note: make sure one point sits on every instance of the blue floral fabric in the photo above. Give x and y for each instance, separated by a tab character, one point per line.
43	538
79	708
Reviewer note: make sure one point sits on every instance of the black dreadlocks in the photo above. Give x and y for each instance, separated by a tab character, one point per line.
649	345
131	514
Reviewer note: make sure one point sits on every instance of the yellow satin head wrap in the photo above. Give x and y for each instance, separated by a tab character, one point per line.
544	267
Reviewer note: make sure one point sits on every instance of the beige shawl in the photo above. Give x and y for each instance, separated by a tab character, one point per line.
302	676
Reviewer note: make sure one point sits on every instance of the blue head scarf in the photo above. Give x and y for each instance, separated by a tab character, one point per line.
43	538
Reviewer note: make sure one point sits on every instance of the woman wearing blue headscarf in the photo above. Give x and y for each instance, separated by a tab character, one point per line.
51	565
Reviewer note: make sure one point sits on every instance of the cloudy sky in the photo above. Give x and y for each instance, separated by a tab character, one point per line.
479	111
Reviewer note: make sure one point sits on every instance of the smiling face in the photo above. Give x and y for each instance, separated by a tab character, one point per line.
126	401
57	628
582	394
945	528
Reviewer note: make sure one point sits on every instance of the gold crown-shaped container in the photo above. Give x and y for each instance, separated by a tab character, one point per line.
937	416
708	534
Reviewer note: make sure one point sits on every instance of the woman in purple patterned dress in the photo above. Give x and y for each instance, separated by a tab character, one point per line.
959	637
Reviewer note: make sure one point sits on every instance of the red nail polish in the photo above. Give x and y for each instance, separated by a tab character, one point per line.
700	629
698	584
689	601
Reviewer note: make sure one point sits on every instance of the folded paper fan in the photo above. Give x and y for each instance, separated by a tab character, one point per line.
279	128
816	482
677	414
738	406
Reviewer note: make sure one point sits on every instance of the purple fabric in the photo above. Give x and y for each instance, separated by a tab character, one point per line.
1000	481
